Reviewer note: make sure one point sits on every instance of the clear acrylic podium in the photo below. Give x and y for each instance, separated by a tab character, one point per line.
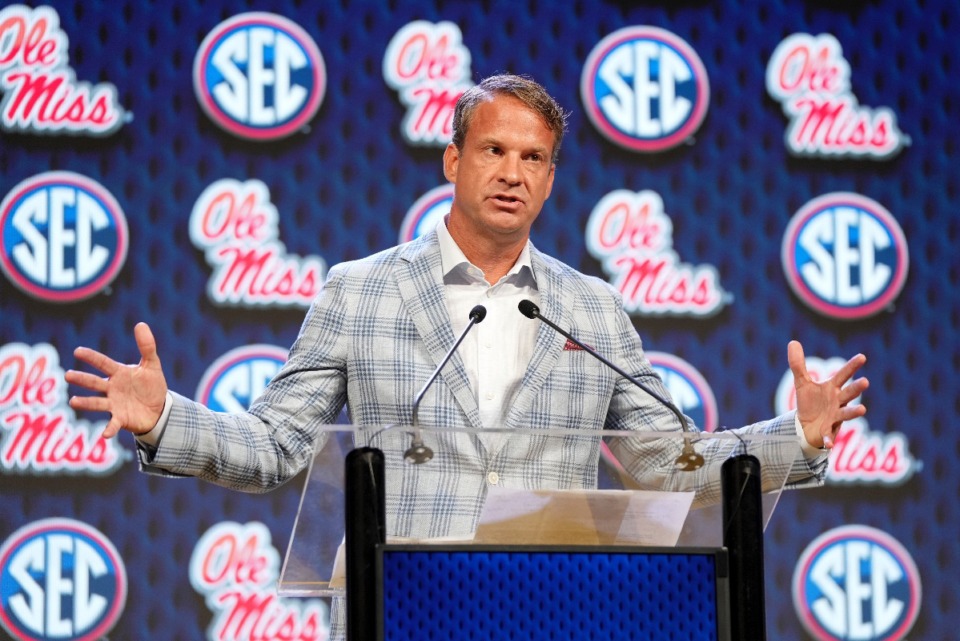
601	496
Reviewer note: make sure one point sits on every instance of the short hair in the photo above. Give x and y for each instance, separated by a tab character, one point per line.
524	89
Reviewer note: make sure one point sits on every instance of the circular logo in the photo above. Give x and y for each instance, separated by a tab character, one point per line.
688	389
60	579
63	237
845	256
259	76
856	582
238	377
645	89
425	214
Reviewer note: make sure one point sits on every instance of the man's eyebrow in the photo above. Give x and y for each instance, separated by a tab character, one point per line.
491	141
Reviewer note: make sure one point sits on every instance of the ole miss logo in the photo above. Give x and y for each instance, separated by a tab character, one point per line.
62	580
845	256
810	78
429	67
238	377
235	568
645	89
63	237
259	76
41	92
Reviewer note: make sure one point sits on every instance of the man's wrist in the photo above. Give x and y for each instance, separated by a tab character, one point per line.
809	451
152	438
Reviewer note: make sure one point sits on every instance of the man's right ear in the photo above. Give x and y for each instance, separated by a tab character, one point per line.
451	160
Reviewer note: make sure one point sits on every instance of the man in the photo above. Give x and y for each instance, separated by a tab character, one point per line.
381	325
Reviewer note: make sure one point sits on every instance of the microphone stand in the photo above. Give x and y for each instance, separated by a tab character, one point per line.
418	452
689	459
742	511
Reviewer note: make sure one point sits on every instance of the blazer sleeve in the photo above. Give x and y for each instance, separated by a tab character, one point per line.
266	446
651	462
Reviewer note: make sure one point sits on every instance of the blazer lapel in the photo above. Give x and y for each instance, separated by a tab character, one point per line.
420	281
555	302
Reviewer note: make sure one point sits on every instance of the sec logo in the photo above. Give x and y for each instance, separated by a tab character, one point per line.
424	215
856	583
64	237
238	377
645	89
259	76
845	256
60	580
688	389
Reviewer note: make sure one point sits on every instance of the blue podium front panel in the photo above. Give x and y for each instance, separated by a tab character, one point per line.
480	592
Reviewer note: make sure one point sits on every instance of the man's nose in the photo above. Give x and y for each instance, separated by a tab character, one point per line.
510	169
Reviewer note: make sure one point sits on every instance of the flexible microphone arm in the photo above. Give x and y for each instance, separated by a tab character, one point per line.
689	459
418	452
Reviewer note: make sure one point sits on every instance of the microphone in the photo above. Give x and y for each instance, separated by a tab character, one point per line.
689	458
418	452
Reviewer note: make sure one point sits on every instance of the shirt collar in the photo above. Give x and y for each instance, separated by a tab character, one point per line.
455	265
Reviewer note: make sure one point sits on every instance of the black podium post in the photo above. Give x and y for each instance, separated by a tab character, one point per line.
743	538
365	528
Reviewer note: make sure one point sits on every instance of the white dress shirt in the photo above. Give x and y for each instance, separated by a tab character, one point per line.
495	352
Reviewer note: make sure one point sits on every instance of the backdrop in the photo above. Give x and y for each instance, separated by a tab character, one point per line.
744	172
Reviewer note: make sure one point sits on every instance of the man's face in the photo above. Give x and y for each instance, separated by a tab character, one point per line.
503	174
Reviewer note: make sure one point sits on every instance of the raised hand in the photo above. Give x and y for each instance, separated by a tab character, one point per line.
133	394
822	407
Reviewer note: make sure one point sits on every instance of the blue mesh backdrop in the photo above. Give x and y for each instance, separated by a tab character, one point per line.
571	594
342	184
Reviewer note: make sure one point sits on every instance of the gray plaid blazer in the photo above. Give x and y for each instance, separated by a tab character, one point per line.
372	338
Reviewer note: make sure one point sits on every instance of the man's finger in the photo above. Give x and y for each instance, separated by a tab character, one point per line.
146	343
90	403
86	380
848	413
797	361
853	390
849	369
111	429
97	360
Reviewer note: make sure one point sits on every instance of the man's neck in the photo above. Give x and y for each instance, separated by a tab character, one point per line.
495	257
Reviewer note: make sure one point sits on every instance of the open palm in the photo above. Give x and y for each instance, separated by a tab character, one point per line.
822	407
133	394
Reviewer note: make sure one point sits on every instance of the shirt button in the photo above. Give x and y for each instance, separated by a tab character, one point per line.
489	396
493	478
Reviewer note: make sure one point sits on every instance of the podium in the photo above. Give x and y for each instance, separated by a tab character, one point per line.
598	552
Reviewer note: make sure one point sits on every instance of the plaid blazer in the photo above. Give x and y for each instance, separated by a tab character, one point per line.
372	338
